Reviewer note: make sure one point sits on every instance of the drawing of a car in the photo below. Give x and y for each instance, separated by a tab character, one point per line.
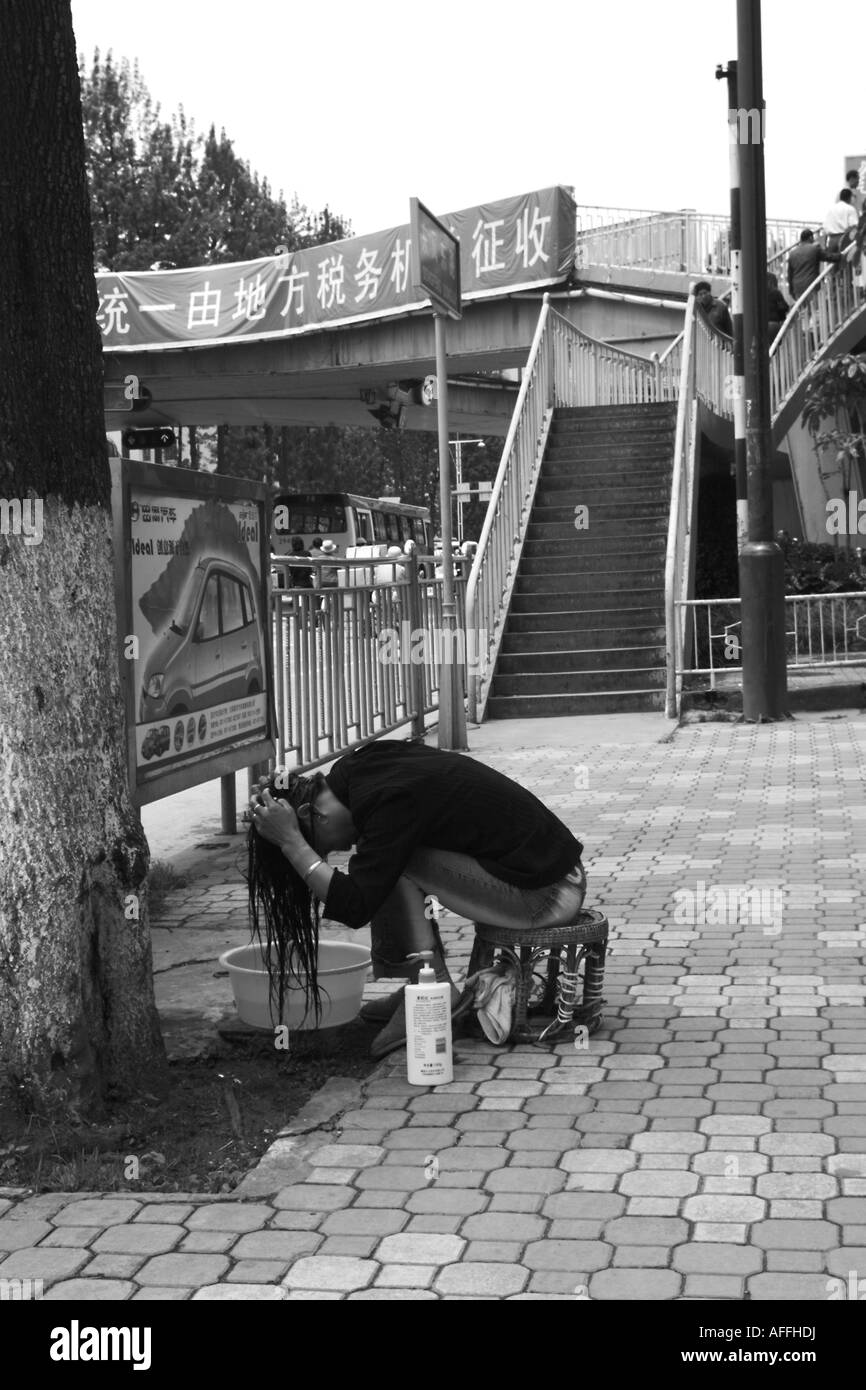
213	649
156	741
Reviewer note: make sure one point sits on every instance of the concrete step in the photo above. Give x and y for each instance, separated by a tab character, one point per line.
606	658
612	448
626	679
552	706
612	494
656	412
582	543
564	500
590	582
569	601
584	640
618	468
580	563
579	623
554	524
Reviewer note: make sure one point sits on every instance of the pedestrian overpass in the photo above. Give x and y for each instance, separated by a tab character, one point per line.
608	391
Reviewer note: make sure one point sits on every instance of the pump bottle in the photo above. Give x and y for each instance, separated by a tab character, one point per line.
429	1060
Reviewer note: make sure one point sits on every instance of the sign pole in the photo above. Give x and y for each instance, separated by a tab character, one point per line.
452	712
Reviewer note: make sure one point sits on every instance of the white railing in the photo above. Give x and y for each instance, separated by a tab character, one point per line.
590	372
686	241
823	631
355	662
681	522
811	325
494	570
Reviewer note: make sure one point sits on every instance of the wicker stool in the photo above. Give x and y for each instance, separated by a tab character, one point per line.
584	939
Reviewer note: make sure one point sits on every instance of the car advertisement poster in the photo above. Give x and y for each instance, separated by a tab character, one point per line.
194	625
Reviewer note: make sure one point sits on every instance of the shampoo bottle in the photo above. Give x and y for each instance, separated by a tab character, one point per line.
429	1061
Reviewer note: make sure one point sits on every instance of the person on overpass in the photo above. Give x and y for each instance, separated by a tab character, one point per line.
804	263
715	311
426	825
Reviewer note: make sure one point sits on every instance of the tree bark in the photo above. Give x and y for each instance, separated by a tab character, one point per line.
77	1014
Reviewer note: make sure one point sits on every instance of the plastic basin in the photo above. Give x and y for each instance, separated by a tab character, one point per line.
343	969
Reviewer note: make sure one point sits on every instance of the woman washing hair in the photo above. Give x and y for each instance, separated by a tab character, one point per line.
424	823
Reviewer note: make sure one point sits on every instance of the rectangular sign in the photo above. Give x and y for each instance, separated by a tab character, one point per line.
435	255
517	243
192	574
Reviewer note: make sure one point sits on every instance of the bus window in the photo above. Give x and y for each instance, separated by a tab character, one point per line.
363	529
379	530
418	533
393	528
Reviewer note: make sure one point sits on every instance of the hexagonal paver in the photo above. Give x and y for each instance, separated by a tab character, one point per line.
721	1207
577	1255
139	1238
706	1258
102	1290
479	1278
241	1293
98	1211
657	1284
331	1272
16	1235
238	1216
810	1288
420	1248
188	1271
48	1263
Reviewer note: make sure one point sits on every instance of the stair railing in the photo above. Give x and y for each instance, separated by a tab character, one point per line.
681	523
590	372
812	323
494	570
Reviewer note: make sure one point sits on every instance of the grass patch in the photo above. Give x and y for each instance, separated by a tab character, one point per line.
163	879
220	1114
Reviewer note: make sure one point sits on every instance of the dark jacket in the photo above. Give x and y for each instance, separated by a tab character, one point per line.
804	265
406	796
777	306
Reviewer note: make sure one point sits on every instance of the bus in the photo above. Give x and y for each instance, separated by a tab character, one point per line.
347	519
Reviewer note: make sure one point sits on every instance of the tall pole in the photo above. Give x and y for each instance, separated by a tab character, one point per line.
458	479
738	389
762	568
452	711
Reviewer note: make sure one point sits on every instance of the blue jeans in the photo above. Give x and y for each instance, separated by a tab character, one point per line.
405	923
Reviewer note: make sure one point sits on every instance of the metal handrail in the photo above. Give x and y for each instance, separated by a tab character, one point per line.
675	559
494	569
812	323
683	241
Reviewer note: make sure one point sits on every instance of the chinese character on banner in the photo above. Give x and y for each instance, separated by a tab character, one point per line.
112	308
331	275
400	265
367	276
486	246
204	307
530	238
294	281
861	187
251	299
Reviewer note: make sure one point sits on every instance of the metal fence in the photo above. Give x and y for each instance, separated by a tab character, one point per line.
822	631
359	660
684	241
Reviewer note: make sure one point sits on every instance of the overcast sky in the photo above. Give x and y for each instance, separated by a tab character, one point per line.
458	102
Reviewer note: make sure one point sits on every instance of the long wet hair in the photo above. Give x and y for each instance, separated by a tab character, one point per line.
284	913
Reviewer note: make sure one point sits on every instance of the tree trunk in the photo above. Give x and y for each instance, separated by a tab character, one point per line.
77	1012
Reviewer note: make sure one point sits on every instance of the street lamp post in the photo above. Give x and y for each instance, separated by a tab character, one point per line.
762	566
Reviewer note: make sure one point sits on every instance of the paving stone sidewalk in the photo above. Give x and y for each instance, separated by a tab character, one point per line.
708	1143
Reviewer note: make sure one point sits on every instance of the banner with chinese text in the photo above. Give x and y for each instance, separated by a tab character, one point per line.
517	243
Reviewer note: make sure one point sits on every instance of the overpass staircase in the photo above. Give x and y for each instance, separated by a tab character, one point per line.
585	632
567	622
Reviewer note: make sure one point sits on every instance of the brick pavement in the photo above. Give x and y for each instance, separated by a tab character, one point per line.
708	1143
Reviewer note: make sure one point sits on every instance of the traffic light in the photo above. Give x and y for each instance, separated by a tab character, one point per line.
159	437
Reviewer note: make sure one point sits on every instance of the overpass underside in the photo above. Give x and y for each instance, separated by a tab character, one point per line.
337	376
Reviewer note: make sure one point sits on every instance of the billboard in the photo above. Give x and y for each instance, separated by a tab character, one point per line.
192	576
520	243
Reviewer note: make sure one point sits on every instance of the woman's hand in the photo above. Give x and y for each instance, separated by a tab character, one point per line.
275	821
